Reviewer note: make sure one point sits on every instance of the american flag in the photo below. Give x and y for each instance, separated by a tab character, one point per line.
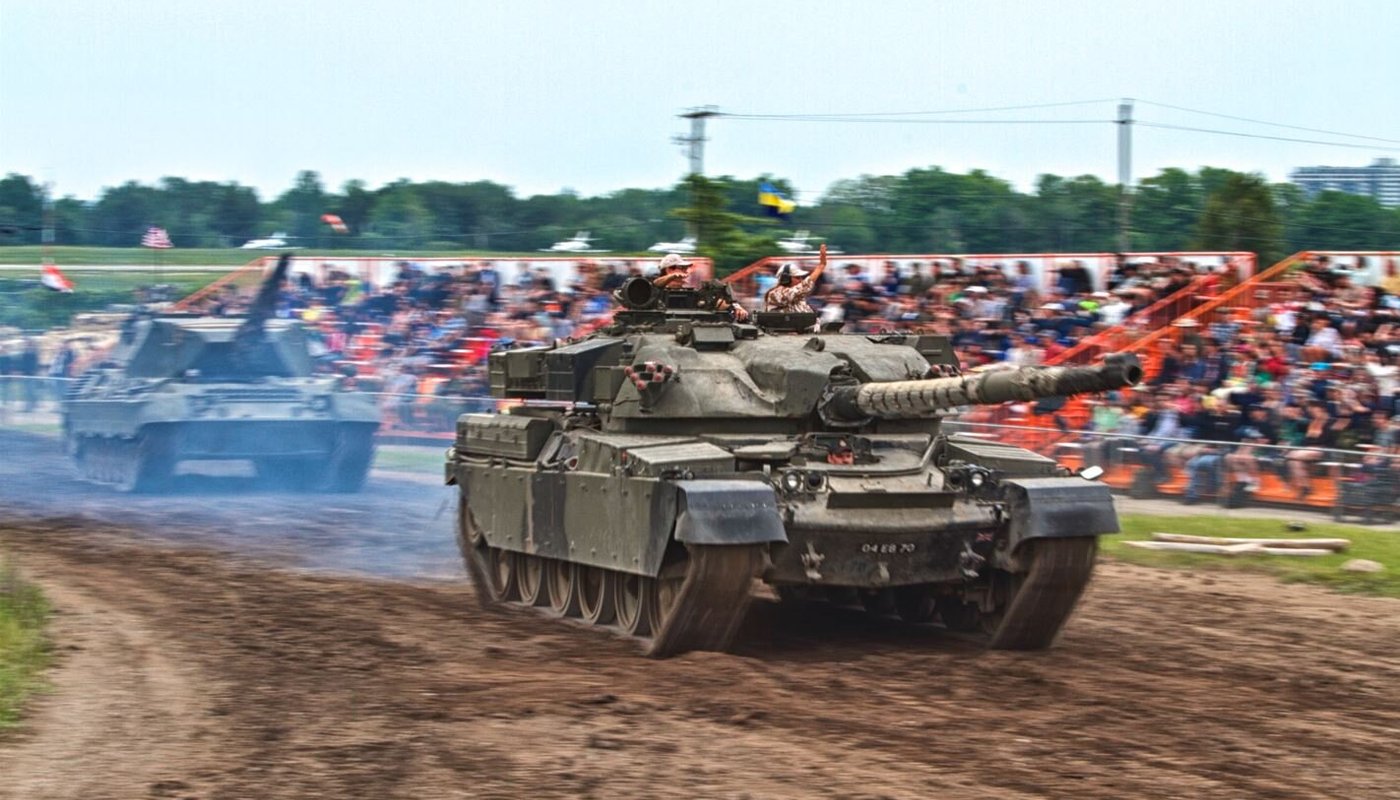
157	238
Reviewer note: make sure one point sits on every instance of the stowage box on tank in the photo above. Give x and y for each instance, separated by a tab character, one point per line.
184	387
645	476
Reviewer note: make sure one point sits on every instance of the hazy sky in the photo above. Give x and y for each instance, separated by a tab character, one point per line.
547	95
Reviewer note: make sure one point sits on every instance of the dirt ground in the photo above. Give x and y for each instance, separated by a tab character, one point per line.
233	643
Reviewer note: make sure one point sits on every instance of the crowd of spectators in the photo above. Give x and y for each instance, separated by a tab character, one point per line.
429	332
1314	369
1317	368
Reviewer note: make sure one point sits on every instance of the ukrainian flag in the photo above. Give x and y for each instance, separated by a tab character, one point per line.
775	201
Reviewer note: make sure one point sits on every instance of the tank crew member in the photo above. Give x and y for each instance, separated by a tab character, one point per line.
675	271
794	287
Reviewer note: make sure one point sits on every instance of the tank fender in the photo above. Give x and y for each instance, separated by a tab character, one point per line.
1044	508
727	512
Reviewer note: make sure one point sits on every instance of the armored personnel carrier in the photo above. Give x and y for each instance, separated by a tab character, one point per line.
643	477
180	387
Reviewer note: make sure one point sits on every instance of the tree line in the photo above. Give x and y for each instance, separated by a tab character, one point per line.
922	210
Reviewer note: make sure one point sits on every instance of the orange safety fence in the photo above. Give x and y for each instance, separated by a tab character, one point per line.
1327	480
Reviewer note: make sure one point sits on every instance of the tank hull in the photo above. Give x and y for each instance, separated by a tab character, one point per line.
636	508
299	434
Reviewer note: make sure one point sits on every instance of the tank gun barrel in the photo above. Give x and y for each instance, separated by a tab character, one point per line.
921	398
265	303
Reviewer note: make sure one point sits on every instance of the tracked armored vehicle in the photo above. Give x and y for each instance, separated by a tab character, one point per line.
645	476
184	387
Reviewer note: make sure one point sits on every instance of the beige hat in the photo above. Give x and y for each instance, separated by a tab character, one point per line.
673	260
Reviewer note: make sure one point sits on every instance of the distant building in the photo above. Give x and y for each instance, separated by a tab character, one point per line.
1381	180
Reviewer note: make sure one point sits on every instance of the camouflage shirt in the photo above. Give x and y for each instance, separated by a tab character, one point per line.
790	299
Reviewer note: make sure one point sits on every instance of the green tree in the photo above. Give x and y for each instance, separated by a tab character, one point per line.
1166	208
720	232
236	214
1340	221
303	206
399	218
1240	215
21	205
354	206
70	221
121	215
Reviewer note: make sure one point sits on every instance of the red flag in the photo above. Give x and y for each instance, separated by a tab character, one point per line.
55	280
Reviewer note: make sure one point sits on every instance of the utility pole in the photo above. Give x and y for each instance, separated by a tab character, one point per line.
1125	173
695	142
695	150
46	236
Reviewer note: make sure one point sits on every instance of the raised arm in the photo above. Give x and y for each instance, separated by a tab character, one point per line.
821	266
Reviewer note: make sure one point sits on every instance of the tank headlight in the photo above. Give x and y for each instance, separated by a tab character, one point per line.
321	402
792	482
977	479
815	481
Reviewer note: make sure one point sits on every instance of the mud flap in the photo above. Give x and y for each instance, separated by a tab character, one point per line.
1047	508
728	512
450	466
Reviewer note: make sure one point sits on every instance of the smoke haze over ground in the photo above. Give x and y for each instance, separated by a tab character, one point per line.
395	528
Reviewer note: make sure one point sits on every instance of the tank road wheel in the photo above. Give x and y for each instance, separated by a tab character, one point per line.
595	596
142	464
1043	599
559	580
483	562
914	604
661	599
503	572
530	579
629	602
702	610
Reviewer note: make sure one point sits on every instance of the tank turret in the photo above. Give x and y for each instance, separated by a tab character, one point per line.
921	398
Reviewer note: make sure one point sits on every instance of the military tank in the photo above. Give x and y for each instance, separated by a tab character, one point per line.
642	478
185	387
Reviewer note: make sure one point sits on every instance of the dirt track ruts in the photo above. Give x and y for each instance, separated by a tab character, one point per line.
198	658
259	682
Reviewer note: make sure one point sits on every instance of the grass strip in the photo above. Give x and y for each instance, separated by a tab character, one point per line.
1366	543
23	649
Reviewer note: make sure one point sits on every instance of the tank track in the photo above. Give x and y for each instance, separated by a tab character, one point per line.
697	603
1047	594
126	464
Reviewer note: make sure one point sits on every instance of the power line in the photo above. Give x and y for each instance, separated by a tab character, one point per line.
1262	136
869	120
918	113
1266	122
